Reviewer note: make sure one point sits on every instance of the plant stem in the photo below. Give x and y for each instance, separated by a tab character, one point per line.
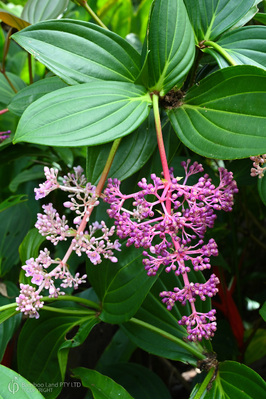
189	347
75	299
66	311
30	69
85	5
7	306
155	102
204	384
221	51
4	111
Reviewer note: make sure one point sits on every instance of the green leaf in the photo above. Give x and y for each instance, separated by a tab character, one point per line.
262	189
171	46
263	311
236	381
48	337
211	18
35	10
224	116
139	381
161	334
8	326
29	94
6	91
14	224
260	17
101	386
80	51
84	115
121	286
30	245
246	45
14	386
12	201
12	20
256	349
27	175
133	152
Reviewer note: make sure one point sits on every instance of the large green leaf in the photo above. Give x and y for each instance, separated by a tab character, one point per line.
80	51
13	20
88	114
6	91
35	10
29	94
133	152
171	45
234	381
169	340
101	386
260	17
122	286
14	224
246	45
43	347
224	116
210	18
14	386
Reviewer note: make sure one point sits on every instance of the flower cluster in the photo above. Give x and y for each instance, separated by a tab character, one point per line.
169	220
95	241
258	168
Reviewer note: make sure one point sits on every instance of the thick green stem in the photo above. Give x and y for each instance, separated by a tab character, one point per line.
189	347
205	384
69	312
85	5
7	306
221	51
80	300
30	69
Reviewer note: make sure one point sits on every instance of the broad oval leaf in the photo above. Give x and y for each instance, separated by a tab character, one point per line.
133	152
43	347
35	10
260	17
21	100
12	20
84	115
171	46
79	51
101	386
15	386
224	116
122	286
234	381
6	91
246	45
210	18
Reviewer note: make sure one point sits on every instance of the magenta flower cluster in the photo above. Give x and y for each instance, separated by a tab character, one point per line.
169	220
95	241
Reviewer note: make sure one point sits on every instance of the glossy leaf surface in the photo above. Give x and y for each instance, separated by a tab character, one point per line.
35	10
210	18
171	45
246	45
15	386
224	116
81	52
87	114
133	152
29	94
42	343
235	381
121	286
13	20
101	386
6	92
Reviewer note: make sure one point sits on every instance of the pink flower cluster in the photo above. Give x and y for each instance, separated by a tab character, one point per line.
169	220
4	135
95	241
258	165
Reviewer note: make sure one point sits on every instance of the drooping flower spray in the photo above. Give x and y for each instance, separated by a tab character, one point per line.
171	229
